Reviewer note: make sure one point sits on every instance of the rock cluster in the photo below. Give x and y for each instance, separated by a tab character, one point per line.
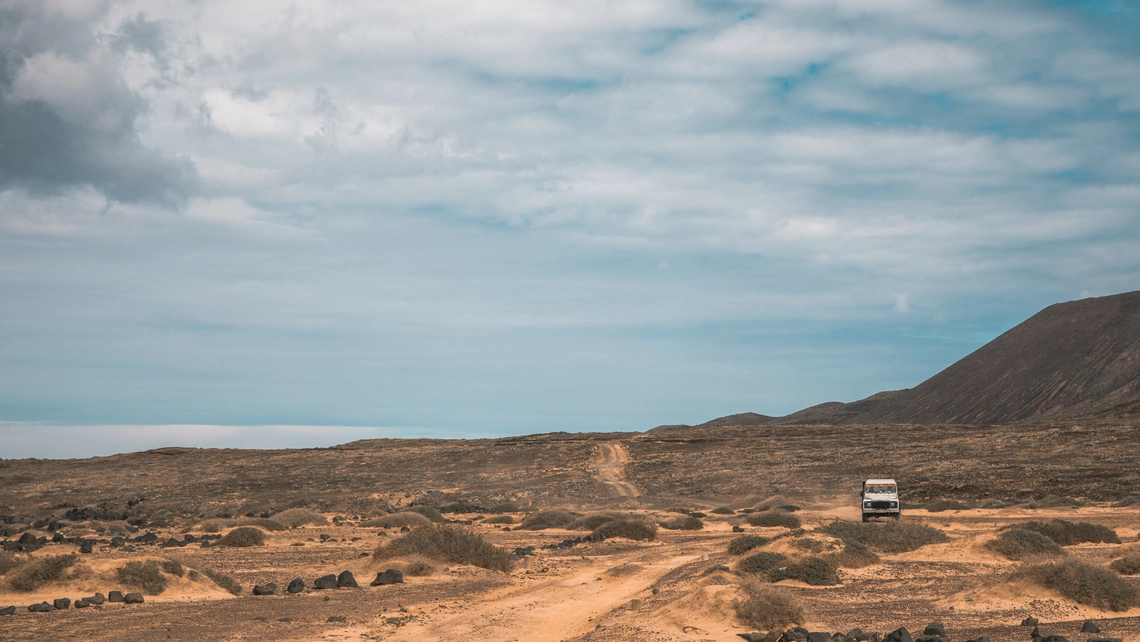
934	632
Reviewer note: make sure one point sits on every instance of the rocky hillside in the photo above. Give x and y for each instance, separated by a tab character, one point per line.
1074	359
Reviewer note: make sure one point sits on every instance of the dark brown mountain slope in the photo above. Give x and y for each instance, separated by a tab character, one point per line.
1071	359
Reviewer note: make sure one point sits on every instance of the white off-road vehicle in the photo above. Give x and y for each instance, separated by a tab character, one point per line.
880	498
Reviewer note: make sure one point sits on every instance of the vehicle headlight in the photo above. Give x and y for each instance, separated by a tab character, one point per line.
894	504
866	504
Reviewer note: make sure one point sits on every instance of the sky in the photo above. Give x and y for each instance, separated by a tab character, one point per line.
262	224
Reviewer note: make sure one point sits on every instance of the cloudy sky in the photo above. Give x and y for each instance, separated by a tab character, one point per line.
252	223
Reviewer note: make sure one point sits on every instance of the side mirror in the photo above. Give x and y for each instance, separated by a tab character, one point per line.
861	493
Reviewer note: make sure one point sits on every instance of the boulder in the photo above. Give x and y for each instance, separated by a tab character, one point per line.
346	580
82	603
1100	639
390	576
898	635
1039	632
133	598
27	538
42	607
98	598
1054	638
117	541
1029	621
297	585
267	589
980	639
115	596
86	547
737	529
753	637
336	618
62	604
325	582
818	636
1090	627
8	610
56	538
190	539
934	628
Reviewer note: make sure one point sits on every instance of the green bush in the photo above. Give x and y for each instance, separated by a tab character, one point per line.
762	562
765	608
683	524
145	576
396	520
37	573
500	519
891	537
853	555
1067	533
544	519
297	517
1020	544
634	529
774	518
242	537
814	571
223	581
447	544
1127	565
723	510
745	543
1086	584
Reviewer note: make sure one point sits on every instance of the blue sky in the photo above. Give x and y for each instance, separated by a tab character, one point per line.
260	224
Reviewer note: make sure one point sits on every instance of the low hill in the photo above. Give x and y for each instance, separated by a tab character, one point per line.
1080	358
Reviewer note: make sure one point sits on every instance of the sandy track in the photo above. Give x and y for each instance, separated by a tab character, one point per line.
610	465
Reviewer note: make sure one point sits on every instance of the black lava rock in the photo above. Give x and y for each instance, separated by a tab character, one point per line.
42	607
346	580
8	610
82	603
98	598
295	586
325	582
133	598
86	547
898	635
1090	627
1029	621
62	604
115	596
267	589
390	576
336	618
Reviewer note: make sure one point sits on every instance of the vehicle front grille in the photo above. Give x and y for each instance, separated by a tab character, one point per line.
880	504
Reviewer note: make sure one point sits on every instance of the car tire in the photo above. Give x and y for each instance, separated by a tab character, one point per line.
866	517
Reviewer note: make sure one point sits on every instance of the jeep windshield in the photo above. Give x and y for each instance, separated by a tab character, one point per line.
880	489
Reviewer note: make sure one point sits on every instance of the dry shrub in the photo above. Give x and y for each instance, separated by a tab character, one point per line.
117	527
683	524
417	567
145	576
745	543
210	526
814	571
37	573
297	517
397	520
263	523
500	519
505	507
8	562
1127	565
942	505
891	537
1019	544
762	562
447	544
723	510
634	529
463	507
223	581
593	521
853	555
1068	533
542	520
1086	584
1131	500
430	512
765	608
774	518
242	537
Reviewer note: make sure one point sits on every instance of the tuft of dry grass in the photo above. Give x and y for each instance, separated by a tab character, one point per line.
297	517
762	562
397	520
242	537
745	543
500	519
774	518
635	529
37	573
223	581
430	512
683	524
8	561
417	567
447	544
1127	565
594	520
891	537
813	571
853	555
943	505
723	510
1067	533
553	518
173	567
145	576
1086	584
766	608
1019	544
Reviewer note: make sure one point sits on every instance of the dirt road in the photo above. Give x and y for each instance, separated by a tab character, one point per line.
612	458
